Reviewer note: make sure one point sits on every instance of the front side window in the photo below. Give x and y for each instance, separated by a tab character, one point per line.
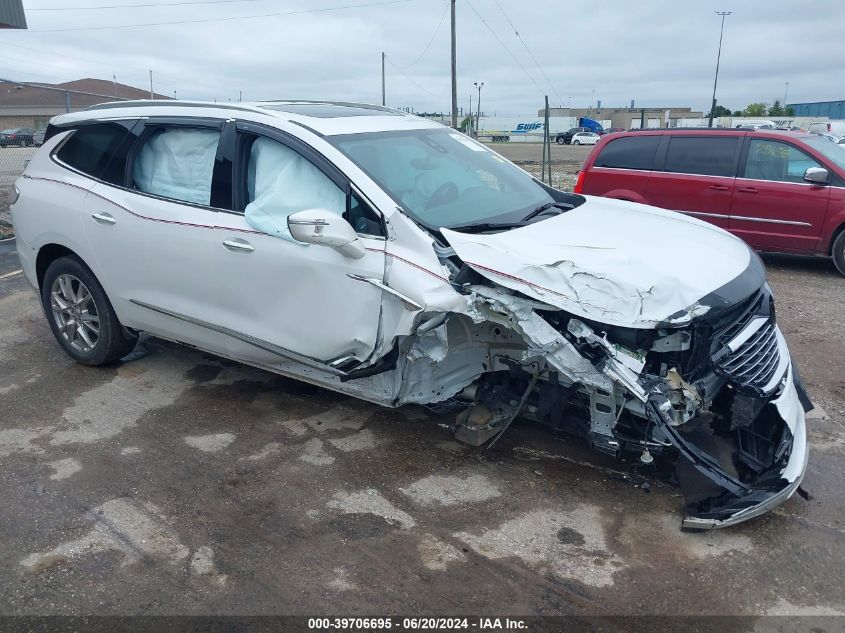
708	156
279	182
177	163
777	161
442	178
630	152
94	150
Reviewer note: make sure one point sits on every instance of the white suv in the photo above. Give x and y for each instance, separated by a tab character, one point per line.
394	259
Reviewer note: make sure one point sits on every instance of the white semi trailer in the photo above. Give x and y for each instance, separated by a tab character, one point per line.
528	129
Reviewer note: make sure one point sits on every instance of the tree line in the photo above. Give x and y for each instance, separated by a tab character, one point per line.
755	109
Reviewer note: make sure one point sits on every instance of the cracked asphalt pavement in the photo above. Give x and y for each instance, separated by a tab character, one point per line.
176	482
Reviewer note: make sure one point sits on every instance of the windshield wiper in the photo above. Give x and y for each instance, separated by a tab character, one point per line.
486	226
561	206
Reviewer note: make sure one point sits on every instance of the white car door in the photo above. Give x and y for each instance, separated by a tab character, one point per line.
152	233
280	299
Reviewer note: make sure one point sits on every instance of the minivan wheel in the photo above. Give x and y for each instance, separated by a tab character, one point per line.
839	252
81	317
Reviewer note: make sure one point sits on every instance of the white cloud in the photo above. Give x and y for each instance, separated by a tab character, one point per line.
659	53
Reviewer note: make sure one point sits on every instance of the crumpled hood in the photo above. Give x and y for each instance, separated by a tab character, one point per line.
618	263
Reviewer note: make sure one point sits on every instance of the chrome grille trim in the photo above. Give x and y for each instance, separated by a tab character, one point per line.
757	358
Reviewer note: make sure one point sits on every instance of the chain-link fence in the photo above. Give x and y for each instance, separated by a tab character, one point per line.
25	110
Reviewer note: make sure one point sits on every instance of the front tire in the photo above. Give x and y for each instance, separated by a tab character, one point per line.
560	140
838	252
81	316
576	142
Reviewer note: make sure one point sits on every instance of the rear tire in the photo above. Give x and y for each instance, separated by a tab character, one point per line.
81	316
838	252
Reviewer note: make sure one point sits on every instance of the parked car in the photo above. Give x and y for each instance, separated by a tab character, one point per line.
566	137
16	136
779	191
38	137
393	259
585	138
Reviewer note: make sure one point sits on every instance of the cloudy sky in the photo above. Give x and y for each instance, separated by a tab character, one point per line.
658	52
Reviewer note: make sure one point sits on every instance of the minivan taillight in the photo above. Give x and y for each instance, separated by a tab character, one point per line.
579	183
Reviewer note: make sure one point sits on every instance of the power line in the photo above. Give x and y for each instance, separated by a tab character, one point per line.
228	19
145	5
420	86
504	46
174	80
431	41
540	68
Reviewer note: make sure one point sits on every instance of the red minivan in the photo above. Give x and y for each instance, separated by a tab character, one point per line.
779	191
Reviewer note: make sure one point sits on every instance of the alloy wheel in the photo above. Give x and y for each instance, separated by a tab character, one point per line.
75	313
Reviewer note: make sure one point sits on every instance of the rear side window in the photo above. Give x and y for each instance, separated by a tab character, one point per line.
629	152
708	156
96	150
177	163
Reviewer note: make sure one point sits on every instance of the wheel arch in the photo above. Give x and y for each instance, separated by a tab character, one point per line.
835	236
49	253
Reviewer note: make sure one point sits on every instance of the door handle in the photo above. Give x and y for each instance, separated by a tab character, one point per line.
104	218
748	189
720	188
239	245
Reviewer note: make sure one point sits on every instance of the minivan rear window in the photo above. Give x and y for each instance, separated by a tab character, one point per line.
92	148
708	156
629	152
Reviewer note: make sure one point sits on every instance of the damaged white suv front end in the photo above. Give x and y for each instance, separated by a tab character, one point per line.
647	332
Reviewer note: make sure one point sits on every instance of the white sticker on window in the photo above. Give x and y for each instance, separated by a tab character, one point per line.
475	147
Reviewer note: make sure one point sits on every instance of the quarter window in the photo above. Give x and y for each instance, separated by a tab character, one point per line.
773	160
97	150
709	156
630	152
177	163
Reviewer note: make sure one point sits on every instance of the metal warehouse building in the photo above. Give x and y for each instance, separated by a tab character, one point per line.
830	109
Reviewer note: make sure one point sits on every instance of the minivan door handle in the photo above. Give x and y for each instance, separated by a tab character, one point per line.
720	188
748	189
239	245
104	218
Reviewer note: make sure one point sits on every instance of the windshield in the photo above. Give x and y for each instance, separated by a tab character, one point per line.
444	179
834	152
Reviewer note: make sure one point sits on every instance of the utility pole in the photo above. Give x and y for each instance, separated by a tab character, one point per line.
785	92
454	74
151	85
469	128
383	93
240	95
478	105
718	59
114	84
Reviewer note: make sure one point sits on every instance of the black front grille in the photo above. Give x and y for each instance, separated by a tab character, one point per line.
754	362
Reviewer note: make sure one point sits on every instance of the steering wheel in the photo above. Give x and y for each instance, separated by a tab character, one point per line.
447	192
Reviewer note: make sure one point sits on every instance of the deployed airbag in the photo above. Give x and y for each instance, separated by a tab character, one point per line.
177	163
281	182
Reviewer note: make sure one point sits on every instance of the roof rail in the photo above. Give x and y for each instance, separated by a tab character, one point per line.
164	103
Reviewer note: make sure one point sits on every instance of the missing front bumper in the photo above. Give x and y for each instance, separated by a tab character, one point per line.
790	406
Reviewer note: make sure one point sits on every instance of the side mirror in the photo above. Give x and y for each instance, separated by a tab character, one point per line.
320	226
817	176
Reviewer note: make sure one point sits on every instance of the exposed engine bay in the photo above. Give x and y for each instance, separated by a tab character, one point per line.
715	396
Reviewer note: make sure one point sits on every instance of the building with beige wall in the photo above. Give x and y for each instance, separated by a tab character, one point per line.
629	118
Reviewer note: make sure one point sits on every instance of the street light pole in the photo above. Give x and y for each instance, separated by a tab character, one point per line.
785	92
454	74
478	105
718	59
